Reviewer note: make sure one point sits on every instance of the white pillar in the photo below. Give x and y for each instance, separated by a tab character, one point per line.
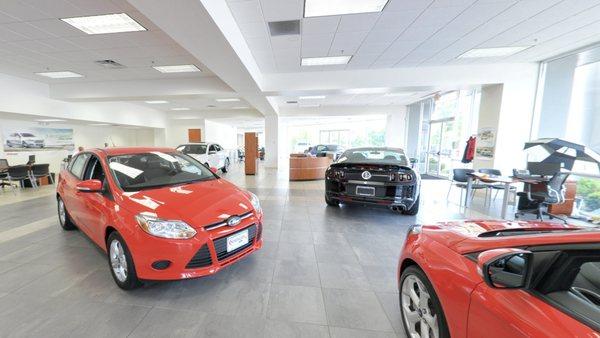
395	129
272	141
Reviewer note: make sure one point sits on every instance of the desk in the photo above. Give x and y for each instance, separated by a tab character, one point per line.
308	168
507	181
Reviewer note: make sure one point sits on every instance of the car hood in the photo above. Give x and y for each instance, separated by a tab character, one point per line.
197	204
478	235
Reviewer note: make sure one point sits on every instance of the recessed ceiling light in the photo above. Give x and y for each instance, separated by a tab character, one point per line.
177	69
228	100
493	52
312	97
240	107
309	105
50	120
326	60
341	7
157	102
291	101
104	24
59	75
366	90
180	108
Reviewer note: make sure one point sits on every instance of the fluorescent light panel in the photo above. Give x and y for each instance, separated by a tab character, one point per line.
50	120
157	102
492	52
228	100
177	69
59	75
99	124
312	97
180	109
240	107
105	24
326	60
340	7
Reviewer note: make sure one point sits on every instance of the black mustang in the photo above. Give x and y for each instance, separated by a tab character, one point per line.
374	176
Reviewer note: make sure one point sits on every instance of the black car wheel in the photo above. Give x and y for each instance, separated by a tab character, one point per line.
420	307
121	262
331	201
414	209
63	216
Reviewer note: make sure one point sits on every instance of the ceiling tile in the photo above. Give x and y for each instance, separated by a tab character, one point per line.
396	20
347	43
246	11
358	22
22	11
259	44
382	36
28	30
316	45
285	42
320	25
281	10
403	5
254	29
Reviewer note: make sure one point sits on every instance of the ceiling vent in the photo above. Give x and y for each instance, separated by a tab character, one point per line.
110	64
278	28
291	102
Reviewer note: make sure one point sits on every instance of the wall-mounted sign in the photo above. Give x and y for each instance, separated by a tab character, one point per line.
486	143
37	138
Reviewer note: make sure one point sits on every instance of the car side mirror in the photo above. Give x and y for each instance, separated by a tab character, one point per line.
506	268
213	169
90	186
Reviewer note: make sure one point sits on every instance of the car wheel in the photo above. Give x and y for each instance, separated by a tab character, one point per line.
331	201
420	308
414	209
121	262
226	167
63	216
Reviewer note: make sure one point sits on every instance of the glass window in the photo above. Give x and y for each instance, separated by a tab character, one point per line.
197	149
135	172
212	148
78	164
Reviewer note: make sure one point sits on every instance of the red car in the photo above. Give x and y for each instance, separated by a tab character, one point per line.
500	279
159	214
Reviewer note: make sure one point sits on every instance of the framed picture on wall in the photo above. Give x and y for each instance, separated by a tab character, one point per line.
36	138
486	143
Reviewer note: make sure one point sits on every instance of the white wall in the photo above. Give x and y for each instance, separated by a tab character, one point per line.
489	117
176	132
273	141
220	133
396	128
86	136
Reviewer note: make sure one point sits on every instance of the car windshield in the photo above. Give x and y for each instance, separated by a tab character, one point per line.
374	155
193	149
135	172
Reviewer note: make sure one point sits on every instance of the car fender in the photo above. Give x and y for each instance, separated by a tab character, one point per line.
453	276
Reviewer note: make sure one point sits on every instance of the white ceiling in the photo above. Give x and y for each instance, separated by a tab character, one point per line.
33	39
411	33
350	100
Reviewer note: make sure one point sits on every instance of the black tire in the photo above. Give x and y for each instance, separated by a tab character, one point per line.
414	209
131	281
226	166
435	302
65	222
332	202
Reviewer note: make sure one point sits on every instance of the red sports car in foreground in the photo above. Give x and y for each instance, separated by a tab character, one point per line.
500	279
159	214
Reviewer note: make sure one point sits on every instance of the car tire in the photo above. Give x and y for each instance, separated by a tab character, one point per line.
226	166
432	309
332	202
118	253
63	216
414	209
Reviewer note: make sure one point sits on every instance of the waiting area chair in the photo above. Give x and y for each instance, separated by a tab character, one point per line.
554	193
460	178
18	174
3	172
41	171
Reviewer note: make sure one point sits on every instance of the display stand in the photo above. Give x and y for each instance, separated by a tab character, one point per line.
251	149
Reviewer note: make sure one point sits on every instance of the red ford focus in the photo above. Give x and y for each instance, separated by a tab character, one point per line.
500	279
159	214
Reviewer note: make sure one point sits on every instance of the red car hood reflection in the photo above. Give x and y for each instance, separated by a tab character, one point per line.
197	204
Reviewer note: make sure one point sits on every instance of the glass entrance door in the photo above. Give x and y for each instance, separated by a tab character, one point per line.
441	134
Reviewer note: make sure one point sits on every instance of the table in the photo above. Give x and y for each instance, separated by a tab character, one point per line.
507	181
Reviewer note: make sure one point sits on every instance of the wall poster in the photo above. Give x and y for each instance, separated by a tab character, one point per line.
37	138
486	143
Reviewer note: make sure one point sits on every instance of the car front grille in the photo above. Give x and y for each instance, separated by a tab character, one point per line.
200	259
221	243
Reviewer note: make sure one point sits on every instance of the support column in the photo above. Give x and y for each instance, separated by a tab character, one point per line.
272	141
395	129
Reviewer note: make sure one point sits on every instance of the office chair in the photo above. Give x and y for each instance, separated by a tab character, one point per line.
3	172
18	174
553	194
41	170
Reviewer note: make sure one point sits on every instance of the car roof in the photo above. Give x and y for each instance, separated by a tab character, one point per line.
113	151
376	148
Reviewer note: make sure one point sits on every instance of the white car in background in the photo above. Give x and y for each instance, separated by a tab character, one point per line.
210	154
24	140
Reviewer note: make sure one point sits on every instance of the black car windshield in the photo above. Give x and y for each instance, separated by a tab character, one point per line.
193	149
134	172
374	155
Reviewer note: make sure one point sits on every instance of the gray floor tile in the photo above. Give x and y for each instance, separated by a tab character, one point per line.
293	236
342	332
22	275
390	302
337	253
180	324
281	329
294	251
217	326
355	309
297	304
343	276
294	272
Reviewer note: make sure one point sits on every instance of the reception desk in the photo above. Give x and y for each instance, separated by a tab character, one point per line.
303	168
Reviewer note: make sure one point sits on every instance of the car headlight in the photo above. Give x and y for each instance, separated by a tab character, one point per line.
163	228
255	202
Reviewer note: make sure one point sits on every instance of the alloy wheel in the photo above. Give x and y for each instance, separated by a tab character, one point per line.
417	310
62	213
118	261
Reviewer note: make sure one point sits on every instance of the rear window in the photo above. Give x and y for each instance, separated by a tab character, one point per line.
527	232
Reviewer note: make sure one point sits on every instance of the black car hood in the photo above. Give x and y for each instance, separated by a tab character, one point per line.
365	166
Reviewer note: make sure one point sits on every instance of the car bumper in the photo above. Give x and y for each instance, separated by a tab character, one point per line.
203	255
403	196
405	203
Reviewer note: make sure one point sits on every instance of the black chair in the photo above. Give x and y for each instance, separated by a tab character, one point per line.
18	174
39	171
3	172
460	178
495	186
553	194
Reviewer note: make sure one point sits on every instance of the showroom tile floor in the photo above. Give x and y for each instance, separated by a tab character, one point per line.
323	272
